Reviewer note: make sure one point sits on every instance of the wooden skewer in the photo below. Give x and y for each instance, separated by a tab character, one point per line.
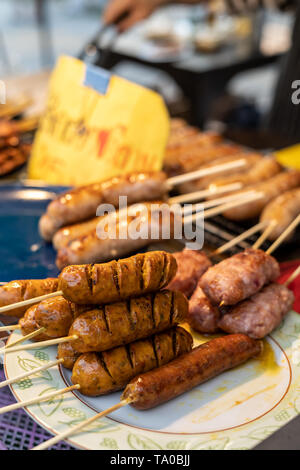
24	303
24	338
240	238
222	208
41	344
33	401
9	327
265	234
31	372
198	195
292	276
69	432
282	237
175	180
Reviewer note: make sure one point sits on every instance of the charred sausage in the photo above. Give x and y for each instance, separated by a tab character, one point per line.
283	210
238	277
123	322
261	314
118	280
106	372
81	203
189	370
191	265
16	291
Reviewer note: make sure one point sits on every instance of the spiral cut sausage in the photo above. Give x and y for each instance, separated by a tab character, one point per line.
55	315
81	203
189	370
192	265
106	372
203	316
238	277
124	322
16	291
282	210
118	280
261	314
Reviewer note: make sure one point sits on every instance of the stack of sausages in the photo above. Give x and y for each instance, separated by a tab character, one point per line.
125	321
189	149
237	295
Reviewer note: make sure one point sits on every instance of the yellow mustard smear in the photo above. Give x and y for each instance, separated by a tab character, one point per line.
266	361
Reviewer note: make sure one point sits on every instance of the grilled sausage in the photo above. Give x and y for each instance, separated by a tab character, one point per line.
81	203
271	188
238	277
150	220
118	280
191	265
207	181
16	291
66	352
262	170
99	374
206	156
189	370
261	314
65	235
123	322
203	316
56	315
283	210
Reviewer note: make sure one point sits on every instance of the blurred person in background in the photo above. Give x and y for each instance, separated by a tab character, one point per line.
284	118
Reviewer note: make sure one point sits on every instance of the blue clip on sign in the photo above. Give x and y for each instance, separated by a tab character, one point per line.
96	78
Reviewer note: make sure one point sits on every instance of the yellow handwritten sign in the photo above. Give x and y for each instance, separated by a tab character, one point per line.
289	157
97	126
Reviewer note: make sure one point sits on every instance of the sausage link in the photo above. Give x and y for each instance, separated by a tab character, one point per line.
262	170
189	370
238	277
16	291
203	316
106	372
283	210
66	352
205	182
123	322
81	203
67	234
56	315
90	247
271	188
191	265
261	314
118	280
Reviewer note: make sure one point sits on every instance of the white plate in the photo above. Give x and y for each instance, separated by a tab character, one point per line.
236	410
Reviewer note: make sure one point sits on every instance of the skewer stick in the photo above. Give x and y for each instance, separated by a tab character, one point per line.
40	344
264	235
292	276
24	338
31	372
10	327
175	180
81	426
198	195
282	237
33	401
34	300
240	238
222	208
